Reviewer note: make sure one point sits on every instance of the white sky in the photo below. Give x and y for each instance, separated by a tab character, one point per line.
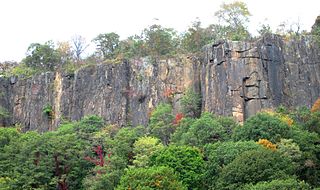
23	22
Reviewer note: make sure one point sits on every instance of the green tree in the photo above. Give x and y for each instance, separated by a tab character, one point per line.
280	184
160	41
191	104
150	178
161	125
43	56
235	17
220	154
3	113
254	166
206	129
143	148
107	44
196	37
264	29
132	47
186	161
289	149
262	126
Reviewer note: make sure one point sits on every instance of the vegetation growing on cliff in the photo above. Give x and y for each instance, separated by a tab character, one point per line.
155	41
209	152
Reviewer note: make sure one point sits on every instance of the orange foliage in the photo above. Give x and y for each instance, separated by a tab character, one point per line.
316	106
178	118
168	92
267	144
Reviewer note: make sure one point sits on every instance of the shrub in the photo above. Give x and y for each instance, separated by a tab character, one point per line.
254	166
47	110
186	161
161	123
262	126
220	154
150	178
280	184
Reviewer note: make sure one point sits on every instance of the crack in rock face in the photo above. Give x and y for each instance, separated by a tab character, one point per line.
235	79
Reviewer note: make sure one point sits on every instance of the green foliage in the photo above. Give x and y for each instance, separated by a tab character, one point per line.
262	126
289	149
191	104
107	44
220	154
161	123
122	144
234	17
196	37
160	41
143	148
207	129
23	71
3	113
186	161
7	135
315	31
309	144
254	166
47	110
181	135
150	178
132	47
43	56
264	29
280	184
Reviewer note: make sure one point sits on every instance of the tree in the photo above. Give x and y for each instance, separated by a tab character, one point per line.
316	31
262	126
43	56
161	123
264	29
196	37
3	113
150	178
65	52
133	46
220	154
235	16
254	166
191	104
160	41
143	148
107	44
206	129
280	184
79	45
186	161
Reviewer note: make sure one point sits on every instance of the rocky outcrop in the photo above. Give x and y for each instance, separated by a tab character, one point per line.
122	93
234	78
241	78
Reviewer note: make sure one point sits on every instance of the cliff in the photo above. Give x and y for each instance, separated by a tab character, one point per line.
234	78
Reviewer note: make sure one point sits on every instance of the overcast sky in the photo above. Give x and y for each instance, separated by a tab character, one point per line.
27	21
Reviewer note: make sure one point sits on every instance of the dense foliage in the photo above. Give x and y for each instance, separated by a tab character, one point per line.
271	150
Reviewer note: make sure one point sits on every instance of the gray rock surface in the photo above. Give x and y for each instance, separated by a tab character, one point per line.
234	78
242	78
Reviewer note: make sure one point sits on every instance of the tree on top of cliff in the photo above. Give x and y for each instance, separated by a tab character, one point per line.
196	37
160	41
42	56
107	44
235	17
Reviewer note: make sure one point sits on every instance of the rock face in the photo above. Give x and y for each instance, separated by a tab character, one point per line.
122	93
241	78
234	78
